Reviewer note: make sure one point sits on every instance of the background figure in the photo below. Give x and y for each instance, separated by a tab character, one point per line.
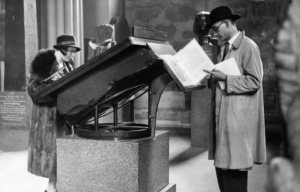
237	139
103	40
46	124
284	171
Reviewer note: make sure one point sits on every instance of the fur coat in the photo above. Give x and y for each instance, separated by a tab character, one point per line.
46	124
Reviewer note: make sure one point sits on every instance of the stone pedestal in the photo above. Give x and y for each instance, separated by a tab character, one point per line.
200	117
114	166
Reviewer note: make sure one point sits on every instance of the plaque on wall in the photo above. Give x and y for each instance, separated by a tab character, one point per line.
13	110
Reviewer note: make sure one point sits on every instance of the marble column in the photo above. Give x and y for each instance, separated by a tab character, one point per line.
78	30
51	23
68	14
59	15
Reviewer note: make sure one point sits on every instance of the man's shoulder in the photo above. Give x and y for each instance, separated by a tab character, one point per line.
243	41
249	41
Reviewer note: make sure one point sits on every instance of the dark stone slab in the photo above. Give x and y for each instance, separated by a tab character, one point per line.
14	110
15	113
14	46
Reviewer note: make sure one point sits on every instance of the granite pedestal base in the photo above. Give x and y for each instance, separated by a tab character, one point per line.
140	165
200	117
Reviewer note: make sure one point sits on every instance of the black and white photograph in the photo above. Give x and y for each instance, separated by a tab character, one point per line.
149	96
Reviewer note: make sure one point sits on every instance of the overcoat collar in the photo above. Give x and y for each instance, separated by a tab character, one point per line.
238	40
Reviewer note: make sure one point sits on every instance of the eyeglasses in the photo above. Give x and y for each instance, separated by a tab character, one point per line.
215	29
72	52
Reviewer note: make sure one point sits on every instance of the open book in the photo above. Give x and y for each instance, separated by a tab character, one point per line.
229	67
57	75
186	66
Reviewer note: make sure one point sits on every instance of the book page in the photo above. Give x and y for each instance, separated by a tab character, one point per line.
166	52
178	71
229	67
55	76
193	59
186	66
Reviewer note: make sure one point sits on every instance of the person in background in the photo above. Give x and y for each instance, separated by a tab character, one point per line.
237	133
48	66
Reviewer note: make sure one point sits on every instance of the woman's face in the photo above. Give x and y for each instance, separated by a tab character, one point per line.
70	54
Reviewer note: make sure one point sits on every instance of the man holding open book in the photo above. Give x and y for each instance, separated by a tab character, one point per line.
238	129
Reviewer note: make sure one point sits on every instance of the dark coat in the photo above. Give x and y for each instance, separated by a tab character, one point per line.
46	123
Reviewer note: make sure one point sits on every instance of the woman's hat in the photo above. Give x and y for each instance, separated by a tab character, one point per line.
221	13
66	41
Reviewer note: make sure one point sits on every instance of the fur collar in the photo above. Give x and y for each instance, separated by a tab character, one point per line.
43	62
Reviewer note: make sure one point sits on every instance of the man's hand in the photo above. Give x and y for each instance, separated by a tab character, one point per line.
216	74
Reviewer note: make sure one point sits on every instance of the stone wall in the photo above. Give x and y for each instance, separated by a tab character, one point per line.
176	17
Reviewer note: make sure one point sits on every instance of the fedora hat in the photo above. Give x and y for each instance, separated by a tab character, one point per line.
221	13
66	41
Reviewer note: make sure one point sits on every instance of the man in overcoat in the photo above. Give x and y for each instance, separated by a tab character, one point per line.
237	139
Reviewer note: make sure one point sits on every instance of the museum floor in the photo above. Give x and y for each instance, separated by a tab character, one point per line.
189	169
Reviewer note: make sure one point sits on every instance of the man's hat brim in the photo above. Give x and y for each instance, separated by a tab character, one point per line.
58	46
233	17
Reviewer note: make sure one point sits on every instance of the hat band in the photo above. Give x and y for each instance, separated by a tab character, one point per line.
67	43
